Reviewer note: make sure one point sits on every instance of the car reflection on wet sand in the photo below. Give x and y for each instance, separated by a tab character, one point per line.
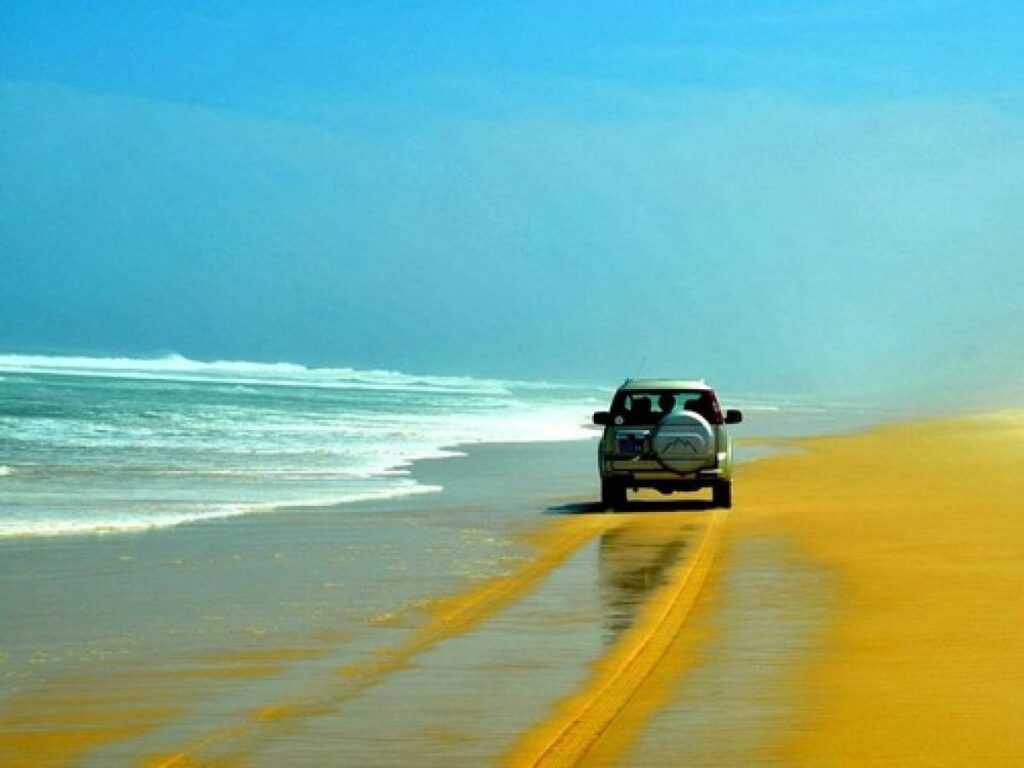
635	560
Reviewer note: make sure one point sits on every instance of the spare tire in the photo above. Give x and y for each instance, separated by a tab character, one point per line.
683	442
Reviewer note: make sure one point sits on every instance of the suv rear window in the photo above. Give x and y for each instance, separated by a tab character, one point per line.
646	408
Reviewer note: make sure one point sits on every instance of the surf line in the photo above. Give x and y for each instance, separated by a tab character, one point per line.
581	719
449	617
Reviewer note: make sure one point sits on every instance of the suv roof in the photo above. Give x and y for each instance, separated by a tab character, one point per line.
631	385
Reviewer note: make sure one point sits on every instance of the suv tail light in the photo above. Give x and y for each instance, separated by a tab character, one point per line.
716	409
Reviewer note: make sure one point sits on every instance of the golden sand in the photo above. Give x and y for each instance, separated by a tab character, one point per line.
920	528
923	526
66	739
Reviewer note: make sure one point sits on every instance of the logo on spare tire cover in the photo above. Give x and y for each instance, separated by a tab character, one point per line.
681	445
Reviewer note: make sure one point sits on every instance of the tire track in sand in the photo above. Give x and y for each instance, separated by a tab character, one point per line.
448	617
581	720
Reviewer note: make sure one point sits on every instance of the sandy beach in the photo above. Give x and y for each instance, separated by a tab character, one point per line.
860	604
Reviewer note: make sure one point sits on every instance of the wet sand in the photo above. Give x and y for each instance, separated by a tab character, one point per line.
860	604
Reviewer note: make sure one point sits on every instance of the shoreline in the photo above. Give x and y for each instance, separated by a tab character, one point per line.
748	449
481	521
407	469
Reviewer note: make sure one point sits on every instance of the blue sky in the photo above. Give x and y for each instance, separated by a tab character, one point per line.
808	197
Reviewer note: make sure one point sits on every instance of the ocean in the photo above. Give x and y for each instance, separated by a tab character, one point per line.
107	445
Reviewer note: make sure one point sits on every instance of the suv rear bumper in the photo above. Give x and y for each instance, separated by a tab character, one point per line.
638	466
630	474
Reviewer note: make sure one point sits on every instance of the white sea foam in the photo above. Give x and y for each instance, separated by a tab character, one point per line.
114	524
5	470
128	445
65	526
176	367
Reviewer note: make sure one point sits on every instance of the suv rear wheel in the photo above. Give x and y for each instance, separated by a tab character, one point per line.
721	494
613	493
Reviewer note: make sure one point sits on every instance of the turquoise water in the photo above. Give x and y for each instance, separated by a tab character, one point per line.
105	445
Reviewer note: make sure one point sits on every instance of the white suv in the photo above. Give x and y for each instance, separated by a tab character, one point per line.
667	434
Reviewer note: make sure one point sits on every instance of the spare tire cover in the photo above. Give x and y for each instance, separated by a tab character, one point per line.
683	442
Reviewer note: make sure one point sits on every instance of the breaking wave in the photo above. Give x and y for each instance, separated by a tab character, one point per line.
108	444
